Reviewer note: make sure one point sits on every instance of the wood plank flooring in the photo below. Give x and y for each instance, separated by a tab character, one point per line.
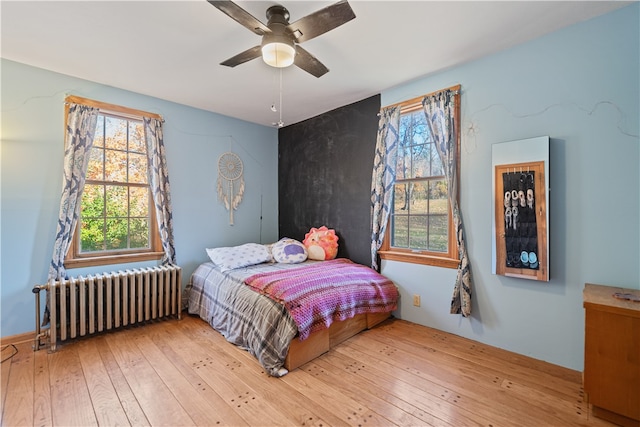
183	373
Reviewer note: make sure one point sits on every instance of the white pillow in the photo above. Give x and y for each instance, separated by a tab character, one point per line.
228	258
289	251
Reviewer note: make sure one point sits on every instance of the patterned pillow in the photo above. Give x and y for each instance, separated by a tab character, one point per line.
270	250
289	251
228	258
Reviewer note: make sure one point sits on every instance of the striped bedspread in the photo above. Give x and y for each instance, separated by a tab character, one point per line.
244	317
319	294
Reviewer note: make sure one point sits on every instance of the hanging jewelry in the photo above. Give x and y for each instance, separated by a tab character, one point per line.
530	198
230	182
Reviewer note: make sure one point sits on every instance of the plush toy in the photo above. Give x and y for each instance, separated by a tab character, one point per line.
321	243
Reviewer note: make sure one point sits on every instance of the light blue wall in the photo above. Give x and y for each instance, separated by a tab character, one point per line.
31	179
580	86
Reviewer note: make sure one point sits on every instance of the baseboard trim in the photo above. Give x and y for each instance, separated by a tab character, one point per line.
615	418
18	338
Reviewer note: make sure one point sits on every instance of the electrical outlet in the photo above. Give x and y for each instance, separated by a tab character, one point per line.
416	300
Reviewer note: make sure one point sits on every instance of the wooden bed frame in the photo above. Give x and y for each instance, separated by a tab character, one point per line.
318	343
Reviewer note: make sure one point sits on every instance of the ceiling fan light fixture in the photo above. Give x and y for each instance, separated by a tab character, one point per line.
281	39
279	52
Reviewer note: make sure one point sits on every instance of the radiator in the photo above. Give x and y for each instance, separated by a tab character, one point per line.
82	306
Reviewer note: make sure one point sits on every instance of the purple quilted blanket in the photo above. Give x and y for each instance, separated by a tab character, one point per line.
319	294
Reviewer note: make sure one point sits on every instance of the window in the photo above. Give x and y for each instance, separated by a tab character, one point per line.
117	219
420	228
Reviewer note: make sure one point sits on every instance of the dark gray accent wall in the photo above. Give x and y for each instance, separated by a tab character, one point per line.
324	176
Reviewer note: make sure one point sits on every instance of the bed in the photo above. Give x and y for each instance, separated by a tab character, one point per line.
271	309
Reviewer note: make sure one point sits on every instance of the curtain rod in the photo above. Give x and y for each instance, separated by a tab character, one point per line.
111	108
455	89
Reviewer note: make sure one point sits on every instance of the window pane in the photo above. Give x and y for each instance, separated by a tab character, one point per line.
138	168
117	202
405	148
420	167
418	232
98	139
403	163
139	201
439	203
139	233
413	127
420	129
96	164
92	204
117	231
420	217
91	235
419	197
436	162
115	166
401	203
400	231
136	137
438	228
416	152
405	120
115	133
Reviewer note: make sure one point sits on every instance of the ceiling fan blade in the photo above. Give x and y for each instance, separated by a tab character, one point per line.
241	58
320	22
309	63
241	16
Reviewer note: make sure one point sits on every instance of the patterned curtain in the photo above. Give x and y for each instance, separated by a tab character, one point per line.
383	177
439	111
160	188
80	130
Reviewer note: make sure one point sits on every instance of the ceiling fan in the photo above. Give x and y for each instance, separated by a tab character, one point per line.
281	40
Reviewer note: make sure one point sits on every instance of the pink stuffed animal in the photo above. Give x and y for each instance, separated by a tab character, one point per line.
321	243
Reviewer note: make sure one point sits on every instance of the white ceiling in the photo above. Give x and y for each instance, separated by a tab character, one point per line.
172	49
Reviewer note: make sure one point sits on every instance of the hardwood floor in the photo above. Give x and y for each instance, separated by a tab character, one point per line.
184	373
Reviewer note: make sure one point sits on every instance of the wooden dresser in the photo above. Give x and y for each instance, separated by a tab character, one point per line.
612	354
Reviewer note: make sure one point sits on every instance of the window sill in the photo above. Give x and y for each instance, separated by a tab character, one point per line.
419	259
112	259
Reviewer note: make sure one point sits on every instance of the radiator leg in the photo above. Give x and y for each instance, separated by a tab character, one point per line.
36	344
179	286
53	312
39	334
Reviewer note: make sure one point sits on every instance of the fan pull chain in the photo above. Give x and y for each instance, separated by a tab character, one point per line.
280	122
274	108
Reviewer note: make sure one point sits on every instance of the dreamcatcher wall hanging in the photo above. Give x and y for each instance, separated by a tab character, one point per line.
230	182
